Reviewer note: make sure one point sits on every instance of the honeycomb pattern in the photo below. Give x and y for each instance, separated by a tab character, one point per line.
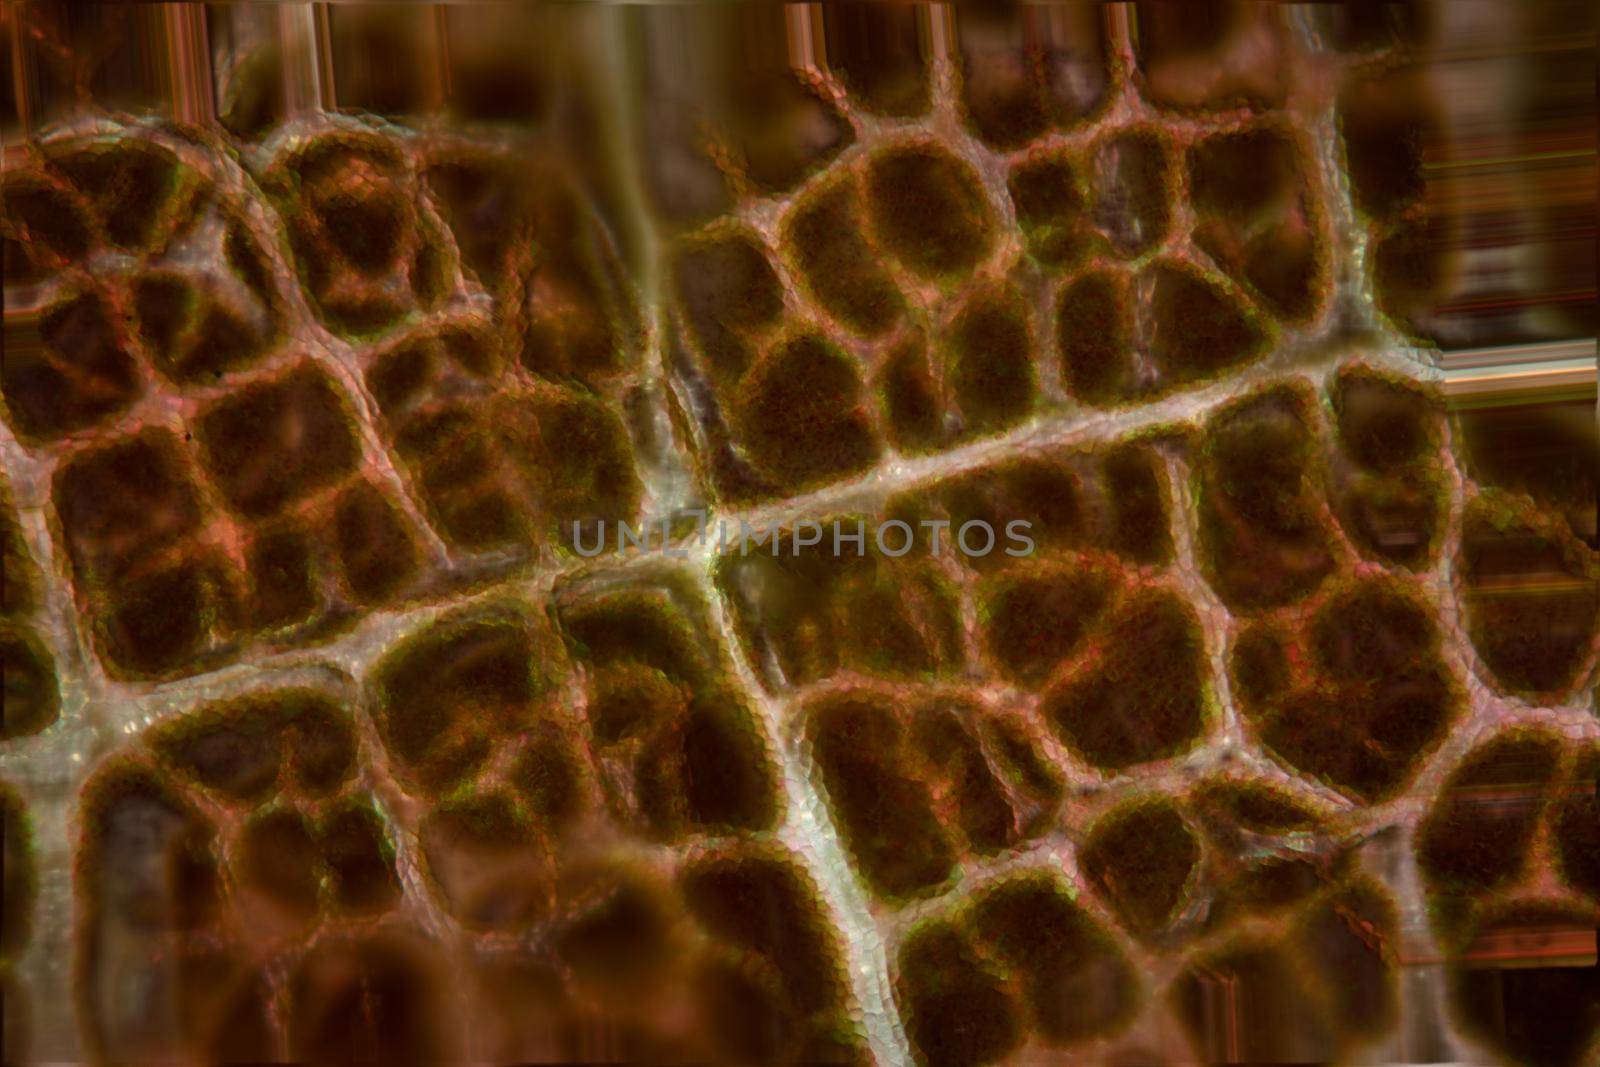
941	331
1191	685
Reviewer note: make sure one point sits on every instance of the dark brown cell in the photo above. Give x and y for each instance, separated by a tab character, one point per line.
1387	121
1199	329
1134	486
801	413
377	555
881	55
885	814
1261	539
191	333
550	777
638	627
1141	859
1256	218
1023	74
283	582
823	612
534	244
123	504
1549	451
1038	490
1260	665
278	858
760	902
942	735
485	202
577	454
226	1005
364	221
1284	266
1182	32
1411	268
1477	835
958	1011
929	210
1243	177
730	295
623	939
1094	331
824	233
400	378
1051	203
360	860
248	747
697	756
1381	698
1377	24
134	188
1576	826
573	324
231	748
631	699
1076	983
1532	602
446	694
67	368
19	577
708	772
1269	886
45	226
990	359
1513	989
364	251
1370	632
1255	806
913	399
160	622
271	444
1392	503
1035	618
1397	518
1142	697
372	997
319	742
28	686
518	467
484	859
1134	181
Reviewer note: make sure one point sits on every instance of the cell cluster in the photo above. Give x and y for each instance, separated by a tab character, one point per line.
315	415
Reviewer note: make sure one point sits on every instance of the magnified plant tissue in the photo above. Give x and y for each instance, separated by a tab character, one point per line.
332	331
